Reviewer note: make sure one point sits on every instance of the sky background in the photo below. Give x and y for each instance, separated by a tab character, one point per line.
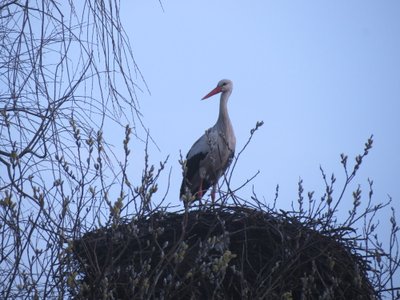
322	75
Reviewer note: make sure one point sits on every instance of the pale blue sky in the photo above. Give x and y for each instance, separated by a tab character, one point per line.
323	76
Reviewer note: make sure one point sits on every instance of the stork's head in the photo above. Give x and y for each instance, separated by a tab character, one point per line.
225	85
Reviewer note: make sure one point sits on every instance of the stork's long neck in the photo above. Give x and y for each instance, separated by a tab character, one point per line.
223	117
224	123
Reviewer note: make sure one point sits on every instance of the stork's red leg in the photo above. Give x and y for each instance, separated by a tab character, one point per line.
200	192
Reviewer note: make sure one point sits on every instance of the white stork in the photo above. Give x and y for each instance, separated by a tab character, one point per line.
212	153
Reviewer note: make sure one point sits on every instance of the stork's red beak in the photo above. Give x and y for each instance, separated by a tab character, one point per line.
217	90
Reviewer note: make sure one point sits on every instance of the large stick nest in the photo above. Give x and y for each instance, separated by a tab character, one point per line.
219	253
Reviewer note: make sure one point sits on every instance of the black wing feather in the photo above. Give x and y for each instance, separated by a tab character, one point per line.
192	167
